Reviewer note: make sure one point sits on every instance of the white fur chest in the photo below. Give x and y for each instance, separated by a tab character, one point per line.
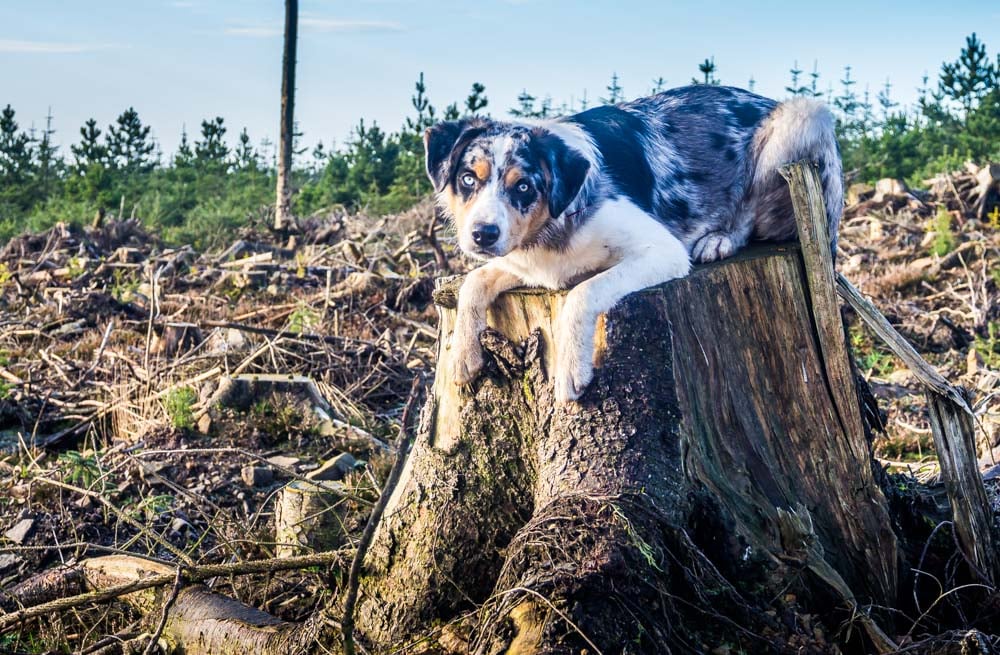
617	231
588	252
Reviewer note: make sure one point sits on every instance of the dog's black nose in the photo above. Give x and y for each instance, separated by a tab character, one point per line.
485	235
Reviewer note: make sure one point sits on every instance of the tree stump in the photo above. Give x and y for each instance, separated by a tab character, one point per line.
307	518
709	465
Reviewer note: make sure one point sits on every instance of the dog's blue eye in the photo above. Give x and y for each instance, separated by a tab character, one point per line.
523	187
469	180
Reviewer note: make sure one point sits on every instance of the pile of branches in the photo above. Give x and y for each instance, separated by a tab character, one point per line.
88	311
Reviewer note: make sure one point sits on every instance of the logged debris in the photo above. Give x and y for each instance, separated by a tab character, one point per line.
930	260
156	400
164	402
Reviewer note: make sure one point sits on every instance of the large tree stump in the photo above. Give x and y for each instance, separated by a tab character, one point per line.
709	461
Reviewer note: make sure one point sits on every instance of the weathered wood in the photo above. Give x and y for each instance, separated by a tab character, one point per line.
953	428
201	622
814	240
877	323
763	429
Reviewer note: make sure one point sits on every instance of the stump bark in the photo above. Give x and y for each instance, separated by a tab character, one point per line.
711	463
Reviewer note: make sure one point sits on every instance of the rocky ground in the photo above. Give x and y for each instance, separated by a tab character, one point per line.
156	400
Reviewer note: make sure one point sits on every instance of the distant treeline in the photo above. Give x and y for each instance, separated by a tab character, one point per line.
207	189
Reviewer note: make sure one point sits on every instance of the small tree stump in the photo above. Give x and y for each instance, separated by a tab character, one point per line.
308	517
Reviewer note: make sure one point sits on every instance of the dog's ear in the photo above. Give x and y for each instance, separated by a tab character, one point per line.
443	145
568	169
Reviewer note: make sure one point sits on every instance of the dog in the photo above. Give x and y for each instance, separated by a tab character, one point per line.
616	199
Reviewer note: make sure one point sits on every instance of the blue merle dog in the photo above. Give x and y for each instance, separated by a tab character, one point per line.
618	198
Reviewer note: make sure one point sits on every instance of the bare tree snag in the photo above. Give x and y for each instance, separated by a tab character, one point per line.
283	207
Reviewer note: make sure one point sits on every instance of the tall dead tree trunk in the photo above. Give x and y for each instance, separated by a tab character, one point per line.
283	206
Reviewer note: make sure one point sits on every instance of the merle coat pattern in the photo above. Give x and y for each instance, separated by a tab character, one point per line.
618	198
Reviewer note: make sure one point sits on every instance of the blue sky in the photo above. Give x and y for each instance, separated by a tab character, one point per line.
180	61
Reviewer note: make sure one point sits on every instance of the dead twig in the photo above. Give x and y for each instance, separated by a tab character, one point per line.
165	612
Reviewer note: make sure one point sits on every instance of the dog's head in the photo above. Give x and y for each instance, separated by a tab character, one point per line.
501	182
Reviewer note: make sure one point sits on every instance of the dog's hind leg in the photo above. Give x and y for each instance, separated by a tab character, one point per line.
719	244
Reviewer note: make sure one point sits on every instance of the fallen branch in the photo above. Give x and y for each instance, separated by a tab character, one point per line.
953	427
191	575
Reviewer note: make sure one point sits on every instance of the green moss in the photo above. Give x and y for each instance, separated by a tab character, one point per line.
529	393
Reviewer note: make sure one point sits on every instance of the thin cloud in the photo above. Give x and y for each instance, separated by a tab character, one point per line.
255	32
320	25
337	25
50	47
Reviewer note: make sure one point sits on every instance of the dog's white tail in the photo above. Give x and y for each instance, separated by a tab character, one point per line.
798	129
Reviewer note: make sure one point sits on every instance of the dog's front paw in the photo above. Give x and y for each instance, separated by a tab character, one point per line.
575	348
466	357
574	371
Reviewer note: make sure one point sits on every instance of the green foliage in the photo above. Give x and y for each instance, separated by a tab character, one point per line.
180	407
303	320
17	165
81	469
958	121
708	70
124	285
207	189
872	359
968	79
526	103
944	237
129	147
149	508
22	641
615	92
988	347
